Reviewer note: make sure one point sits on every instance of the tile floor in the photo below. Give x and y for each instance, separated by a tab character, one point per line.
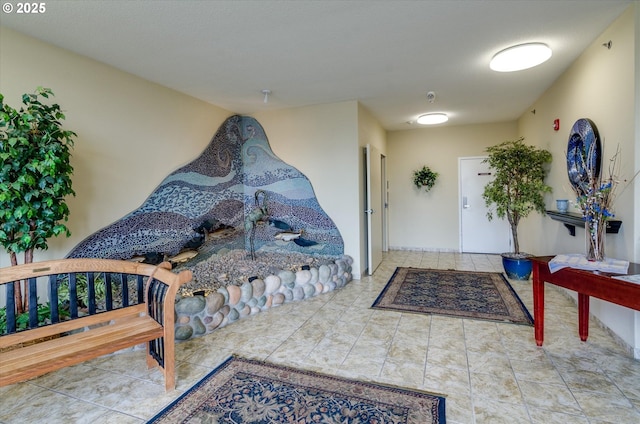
489	372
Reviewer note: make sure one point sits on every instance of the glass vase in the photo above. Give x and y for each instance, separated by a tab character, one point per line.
595	230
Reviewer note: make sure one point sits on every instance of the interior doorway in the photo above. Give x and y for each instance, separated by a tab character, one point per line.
375	206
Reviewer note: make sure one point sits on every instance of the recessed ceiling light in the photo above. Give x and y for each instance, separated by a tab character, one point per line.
432	118
522	56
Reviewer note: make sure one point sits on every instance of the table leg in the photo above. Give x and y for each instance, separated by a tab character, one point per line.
583	316
538	305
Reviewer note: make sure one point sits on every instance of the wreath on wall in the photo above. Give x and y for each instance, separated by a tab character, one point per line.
424	177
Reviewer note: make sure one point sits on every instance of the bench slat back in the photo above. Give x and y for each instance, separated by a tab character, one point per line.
101	276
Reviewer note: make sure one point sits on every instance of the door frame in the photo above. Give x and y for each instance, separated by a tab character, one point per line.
374	228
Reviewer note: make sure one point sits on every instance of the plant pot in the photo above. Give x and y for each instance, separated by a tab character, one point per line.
518	267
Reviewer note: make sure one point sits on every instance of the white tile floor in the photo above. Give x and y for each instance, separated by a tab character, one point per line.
489	372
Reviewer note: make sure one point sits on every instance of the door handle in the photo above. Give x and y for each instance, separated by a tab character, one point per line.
465	203
369	211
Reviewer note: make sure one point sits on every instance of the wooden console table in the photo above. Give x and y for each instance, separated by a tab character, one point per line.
586	283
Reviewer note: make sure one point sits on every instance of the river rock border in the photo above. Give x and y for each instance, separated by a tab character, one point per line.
199	315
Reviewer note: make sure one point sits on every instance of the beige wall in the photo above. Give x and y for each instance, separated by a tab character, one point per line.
598	86
602	86
131	132
430	220
321	142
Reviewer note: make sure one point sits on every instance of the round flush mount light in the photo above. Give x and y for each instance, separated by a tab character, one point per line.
432	118
522	56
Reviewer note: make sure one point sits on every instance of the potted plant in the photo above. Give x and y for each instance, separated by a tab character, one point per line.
35	178
424	177
517	190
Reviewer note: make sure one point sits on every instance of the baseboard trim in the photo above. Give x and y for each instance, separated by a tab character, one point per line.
423	249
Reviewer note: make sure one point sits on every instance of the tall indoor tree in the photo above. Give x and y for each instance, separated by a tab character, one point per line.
35	178
518	188
519	184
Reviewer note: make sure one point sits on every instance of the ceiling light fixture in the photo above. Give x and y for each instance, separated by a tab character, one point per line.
432	118
522	56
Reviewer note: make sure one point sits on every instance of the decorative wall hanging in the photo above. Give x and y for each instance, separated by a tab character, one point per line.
424	177
594	196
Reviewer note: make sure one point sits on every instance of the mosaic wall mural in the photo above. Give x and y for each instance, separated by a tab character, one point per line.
237	195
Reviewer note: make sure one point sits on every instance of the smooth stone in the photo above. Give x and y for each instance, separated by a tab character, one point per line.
215	301
258	287
341	266
234	295
225	310
309	290
261	301
287	277
224	292
233	315
332	285
269	301
272	283
314	275
302	277
184	332
252	302
255	310
278	299
334	269
246	310
319	287
298	293
246	291
324	273
190	305
184	319
288	295
216	320
289	285
198	326
207	319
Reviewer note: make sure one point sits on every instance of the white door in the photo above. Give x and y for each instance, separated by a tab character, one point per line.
373	193
477	233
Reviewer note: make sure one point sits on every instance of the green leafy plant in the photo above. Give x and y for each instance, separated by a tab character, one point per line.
425	177
518	187
22	320
82	290
34	178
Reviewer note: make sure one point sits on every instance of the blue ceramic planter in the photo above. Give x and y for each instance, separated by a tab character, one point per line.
517	268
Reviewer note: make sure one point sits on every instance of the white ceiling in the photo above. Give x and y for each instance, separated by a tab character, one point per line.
385	54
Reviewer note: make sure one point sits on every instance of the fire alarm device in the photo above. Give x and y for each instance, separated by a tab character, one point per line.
556	124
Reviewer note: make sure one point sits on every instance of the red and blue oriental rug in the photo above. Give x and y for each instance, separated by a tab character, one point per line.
463	294
249	391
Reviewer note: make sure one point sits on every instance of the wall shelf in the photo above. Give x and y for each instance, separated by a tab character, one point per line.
571	220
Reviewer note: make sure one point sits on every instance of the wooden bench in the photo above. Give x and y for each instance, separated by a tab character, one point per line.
137	306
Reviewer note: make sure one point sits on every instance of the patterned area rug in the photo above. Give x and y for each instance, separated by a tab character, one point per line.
464	294
248	391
